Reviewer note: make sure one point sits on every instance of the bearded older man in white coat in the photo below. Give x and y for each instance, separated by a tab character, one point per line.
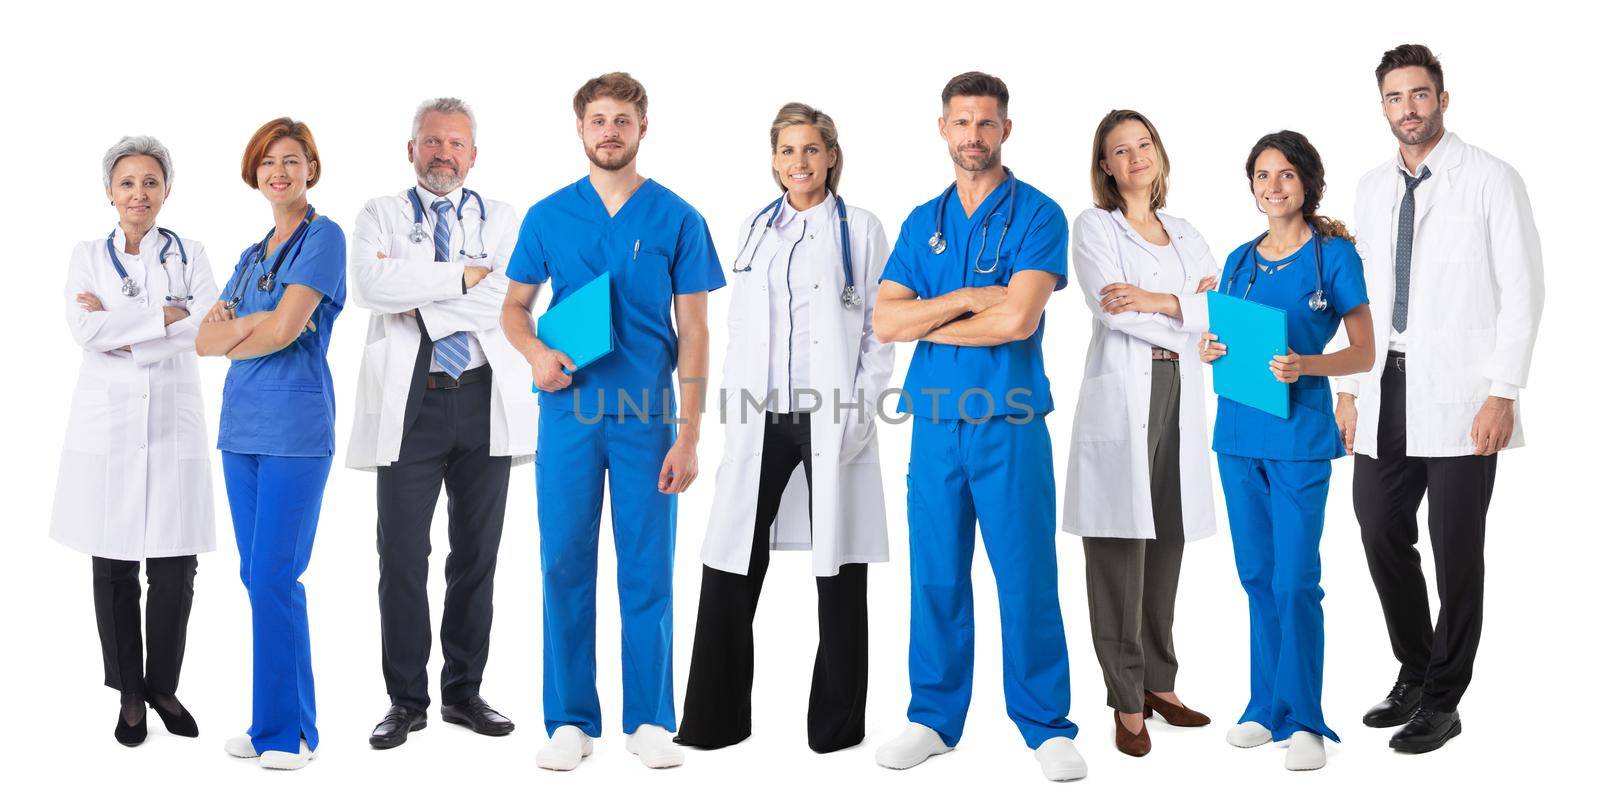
443	399
1453	266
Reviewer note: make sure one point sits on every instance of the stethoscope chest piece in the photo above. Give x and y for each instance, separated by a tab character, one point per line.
265	283
130	288
417	234
936	243
1318	301
850	298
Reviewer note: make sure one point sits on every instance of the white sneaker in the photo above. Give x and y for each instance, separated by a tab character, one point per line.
567	748
1059	759
288	761
654	747
912	746
240	746
1249	734
1306	752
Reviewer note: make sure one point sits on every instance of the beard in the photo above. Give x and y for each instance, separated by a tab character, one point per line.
975	165
1431	125
440	178
612	160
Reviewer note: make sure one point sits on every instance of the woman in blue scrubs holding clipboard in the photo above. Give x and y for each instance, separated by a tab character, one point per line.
1274	469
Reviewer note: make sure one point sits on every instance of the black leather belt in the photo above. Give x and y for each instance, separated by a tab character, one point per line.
442	381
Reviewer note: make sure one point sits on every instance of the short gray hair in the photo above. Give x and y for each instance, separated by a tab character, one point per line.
444	105
137	146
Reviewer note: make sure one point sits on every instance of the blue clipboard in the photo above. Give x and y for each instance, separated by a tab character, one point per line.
580	326
1254	333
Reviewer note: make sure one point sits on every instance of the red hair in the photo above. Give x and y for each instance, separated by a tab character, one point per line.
263	140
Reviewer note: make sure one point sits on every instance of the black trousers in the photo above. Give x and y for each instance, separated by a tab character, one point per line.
447	443
716	708
1388	491
129	667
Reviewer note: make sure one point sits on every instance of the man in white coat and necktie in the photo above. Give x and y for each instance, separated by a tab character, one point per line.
1453	266
443	399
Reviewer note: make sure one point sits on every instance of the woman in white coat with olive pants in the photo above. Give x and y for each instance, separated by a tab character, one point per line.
802	379
135	480
1139	477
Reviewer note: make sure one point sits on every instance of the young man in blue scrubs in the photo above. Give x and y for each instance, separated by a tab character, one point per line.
615	415
968	281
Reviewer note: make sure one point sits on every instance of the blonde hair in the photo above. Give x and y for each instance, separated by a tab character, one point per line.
793	114
1103	185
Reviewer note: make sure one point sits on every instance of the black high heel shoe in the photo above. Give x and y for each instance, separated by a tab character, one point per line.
130	734
174	716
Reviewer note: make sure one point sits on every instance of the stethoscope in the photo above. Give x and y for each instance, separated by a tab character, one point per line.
849	297
1319	300
130	288
268	280
936	243
419	233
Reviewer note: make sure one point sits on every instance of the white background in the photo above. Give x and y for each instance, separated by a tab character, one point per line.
202	77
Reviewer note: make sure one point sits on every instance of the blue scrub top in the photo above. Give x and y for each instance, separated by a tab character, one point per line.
1309	433
1012	375
281	404
656	246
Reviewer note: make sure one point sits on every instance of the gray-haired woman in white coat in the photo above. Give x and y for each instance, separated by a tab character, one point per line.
1139	477
135	481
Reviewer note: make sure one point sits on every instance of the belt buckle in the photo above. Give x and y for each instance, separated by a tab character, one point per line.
1400	363
443	382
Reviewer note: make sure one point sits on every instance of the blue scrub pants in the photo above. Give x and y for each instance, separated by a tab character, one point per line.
574	458
1275	509
997	475
275	502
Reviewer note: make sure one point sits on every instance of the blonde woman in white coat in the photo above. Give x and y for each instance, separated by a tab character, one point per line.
1139	477
135	481
803	375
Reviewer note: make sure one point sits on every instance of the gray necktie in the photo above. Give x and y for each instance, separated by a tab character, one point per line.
1402	248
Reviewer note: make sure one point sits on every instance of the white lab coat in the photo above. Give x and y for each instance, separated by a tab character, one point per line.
409	278
846	358
1108	474
135	475
1477	291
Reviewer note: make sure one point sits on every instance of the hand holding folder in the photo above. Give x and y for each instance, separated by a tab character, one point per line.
1253	334
580	326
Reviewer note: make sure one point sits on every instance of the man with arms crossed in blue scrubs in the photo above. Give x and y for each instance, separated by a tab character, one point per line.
968	281
613	416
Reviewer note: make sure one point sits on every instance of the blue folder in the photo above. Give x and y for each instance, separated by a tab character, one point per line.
580	326
1254	333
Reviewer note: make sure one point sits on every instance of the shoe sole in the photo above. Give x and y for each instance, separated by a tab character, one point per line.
588	749
458	719
924	759
1384	723
1418	749
376	744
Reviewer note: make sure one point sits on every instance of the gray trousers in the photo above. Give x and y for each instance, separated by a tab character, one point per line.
1133	582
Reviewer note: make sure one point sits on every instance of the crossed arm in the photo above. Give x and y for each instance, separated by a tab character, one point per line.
224	334
978	316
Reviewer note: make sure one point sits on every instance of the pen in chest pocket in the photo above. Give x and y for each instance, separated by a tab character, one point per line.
636	250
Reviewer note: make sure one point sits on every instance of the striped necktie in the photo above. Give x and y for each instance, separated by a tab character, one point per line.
1402	249
450	352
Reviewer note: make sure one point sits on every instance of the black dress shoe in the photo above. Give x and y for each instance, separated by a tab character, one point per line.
398	723
1397	708
474	712
1426	731
174	716
132	707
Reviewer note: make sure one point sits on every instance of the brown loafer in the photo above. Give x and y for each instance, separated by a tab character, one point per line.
1175	714
1130	743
